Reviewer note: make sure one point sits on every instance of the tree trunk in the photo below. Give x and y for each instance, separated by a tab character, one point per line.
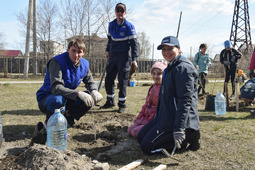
34	39
26	61
5	67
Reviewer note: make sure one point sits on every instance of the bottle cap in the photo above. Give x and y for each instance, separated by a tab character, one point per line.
57	111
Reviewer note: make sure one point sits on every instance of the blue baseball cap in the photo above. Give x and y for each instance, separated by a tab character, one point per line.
169	41
227	43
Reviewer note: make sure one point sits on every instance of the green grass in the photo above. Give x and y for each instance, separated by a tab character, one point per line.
227	142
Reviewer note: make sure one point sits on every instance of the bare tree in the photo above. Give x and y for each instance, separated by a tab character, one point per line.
73	16
106	11
81	17
34	38
26	61
144	45
2	39
47	27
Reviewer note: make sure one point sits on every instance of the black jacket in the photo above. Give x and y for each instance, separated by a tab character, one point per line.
177	109
227	56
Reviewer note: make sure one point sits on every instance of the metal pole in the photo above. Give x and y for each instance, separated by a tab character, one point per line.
179	24
153	52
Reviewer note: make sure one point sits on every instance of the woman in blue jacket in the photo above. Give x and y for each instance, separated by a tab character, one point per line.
177	120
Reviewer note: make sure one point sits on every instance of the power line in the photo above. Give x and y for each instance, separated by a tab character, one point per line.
198	23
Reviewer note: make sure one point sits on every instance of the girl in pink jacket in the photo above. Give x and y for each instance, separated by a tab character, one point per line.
149	109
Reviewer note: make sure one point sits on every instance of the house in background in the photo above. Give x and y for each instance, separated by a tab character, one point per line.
49	49
95	46
6	56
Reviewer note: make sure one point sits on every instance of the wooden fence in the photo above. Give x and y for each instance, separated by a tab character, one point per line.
97	65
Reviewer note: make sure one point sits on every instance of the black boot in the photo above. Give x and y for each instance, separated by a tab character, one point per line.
40	135
108	104
193	137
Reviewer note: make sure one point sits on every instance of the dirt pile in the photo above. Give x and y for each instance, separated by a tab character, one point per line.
99	136
42	157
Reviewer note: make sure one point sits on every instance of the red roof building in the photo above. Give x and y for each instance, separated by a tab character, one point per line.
11	53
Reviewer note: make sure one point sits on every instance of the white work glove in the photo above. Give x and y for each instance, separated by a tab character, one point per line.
96	96
86	98
226	62
197	67
233	59
179	137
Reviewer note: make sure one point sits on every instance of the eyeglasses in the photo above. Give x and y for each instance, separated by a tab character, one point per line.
120	10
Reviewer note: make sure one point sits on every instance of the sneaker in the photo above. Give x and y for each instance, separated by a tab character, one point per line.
232	96
108	104
205	93
121	110
252	111
40	134
200	95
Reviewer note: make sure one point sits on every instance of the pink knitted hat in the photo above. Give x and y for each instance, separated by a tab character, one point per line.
159	65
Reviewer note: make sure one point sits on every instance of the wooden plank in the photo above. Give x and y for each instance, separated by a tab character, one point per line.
132	165
160	167
237	96
226	91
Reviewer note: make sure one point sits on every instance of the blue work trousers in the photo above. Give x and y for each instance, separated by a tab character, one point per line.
76	108
118	64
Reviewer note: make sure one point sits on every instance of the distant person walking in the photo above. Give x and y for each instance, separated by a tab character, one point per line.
229	58
202	62
121	37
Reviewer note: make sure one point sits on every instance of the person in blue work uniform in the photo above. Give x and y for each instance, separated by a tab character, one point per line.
229	58
177	122
64	74
202	62
121	37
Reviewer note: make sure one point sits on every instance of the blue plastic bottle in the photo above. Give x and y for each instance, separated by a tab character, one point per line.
220	104
57	131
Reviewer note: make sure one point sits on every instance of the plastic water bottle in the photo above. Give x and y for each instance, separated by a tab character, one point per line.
57	131
1	131
220	104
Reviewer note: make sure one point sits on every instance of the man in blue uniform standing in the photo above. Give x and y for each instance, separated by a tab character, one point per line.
121	37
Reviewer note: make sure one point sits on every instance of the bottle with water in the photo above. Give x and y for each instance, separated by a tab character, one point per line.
220	104
57	131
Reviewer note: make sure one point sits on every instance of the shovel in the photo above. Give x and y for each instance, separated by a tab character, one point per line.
166	153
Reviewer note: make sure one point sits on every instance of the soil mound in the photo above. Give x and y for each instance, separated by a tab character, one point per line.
42	157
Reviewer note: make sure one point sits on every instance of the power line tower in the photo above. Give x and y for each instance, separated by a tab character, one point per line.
240	35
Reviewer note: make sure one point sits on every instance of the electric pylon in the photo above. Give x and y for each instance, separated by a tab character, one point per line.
240	35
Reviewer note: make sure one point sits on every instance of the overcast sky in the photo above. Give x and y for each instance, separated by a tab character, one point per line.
203	21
